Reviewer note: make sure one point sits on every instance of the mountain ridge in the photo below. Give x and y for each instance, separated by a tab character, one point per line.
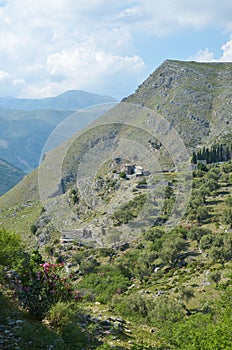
194	97
68	100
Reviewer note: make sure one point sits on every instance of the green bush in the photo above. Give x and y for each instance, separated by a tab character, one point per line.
104	284
61	314
40	286
36	336
11	250
134	306
156	311
129	211
206	331
122	174
104	252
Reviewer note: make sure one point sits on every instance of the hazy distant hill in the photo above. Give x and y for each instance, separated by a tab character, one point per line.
26	124
23	134
69	100
9	176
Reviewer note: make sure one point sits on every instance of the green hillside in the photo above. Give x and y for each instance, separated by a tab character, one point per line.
164	290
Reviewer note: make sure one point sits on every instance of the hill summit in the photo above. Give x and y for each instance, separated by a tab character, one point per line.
194	97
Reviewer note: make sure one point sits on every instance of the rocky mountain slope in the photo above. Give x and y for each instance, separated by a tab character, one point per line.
181	106
194	97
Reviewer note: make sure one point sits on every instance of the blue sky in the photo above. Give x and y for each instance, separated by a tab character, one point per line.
104	46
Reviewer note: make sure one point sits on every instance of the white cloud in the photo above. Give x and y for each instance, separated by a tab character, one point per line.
89	68
163	17
227	51
4	76
207	56
8	85
49	46
203	56
66	44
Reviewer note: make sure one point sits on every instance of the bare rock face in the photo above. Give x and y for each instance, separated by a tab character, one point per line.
194	97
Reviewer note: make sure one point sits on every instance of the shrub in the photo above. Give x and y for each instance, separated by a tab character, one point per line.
40	286
61	314
129	210
11	249
156	311
206	242
104	284
164	310
132	306
36	336
33	229
123	175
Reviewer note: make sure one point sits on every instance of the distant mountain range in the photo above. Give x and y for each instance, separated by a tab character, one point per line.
9	176
27	123
67	101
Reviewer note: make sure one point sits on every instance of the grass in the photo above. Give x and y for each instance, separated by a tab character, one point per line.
20	220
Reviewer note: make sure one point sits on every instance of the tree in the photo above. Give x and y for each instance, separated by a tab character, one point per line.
212	184
227	213
218	254
186	293
215	277
229	201
153	234
11	249
165	309
201	213
196	233
206	242
171	249
201	192
227	217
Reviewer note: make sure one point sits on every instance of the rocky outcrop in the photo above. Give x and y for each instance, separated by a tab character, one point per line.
194	97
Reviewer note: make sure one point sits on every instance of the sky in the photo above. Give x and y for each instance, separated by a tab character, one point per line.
107	47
